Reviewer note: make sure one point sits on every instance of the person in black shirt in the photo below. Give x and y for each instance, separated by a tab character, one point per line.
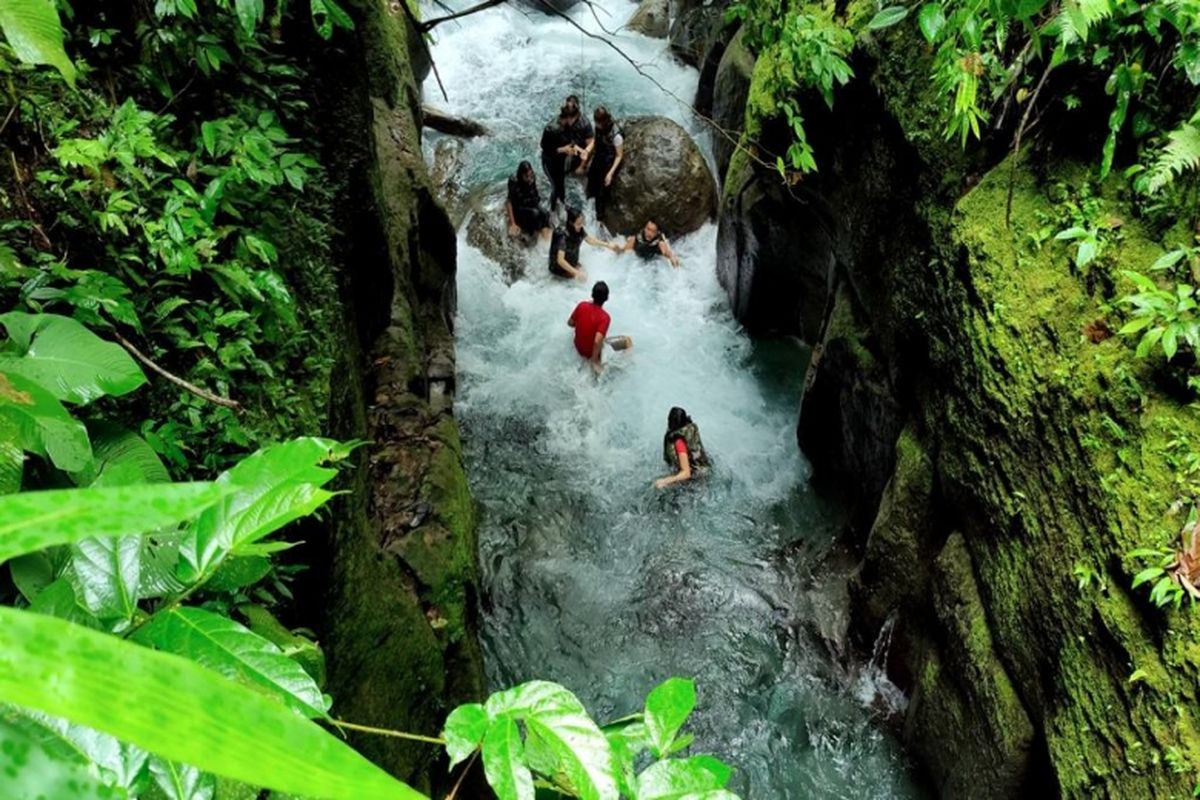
524	205
564	248
578	133
606	151
650	243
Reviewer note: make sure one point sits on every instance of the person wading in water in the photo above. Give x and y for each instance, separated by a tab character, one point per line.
564	147
650	243
564	247
606	152
524	205
683	450
590	321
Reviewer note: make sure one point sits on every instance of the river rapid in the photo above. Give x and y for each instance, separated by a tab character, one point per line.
589	576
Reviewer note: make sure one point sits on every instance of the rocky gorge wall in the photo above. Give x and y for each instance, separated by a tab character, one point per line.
993	449
399	572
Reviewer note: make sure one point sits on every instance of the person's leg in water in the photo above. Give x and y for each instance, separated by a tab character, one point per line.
619	342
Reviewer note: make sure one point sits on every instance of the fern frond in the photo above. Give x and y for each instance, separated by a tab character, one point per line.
1078	16
1179	155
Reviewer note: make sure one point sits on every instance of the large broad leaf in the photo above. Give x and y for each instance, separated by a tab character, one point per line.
116	762
887	17
43	426
31	521
35	34
557	717
12	458
59	600
249	13
181	782
178	710
68	360
108	573
684	779
120	458
667	708
465	729
27	769
263	493
504	761
236	652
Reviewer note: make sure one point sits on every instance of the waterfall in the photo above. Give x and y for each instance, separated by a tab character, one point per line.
591	577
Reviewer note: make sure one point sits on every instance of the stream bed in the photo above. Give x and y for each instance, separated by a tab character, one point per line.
589	576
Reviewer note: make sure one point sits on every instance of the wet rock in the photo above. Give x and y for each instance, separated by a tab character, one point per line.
487	231
730	90
664	177
550	6
774	254
849	416
446	177
697	27
652	19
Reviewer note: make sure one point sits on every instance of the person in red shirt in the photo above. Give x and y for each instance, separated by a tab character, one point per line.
590	321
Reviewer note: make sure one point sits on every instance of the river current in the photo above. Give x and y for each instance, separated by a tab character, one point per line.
589	576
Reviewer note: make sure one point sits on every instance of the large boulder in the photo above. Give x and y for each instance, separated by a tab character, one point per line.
664	177
697	26
652	18
774	253
446	176
731	87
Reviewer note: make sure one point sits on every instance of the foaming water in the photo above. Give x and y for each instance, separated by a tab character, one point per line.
591	577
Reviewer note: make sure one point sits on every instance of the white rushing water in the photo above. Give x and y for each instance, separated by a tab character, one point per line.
590	577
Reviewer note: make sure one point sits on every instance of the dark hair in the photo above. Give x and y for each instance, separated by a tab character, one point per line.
572	100
604	120
523	168
600	293
573	214
676	419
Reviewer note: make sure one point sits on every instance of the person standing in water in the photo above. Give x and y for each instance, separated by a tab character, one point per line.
524	205
564	247
605	154
650	243
590	321
579	133
683	450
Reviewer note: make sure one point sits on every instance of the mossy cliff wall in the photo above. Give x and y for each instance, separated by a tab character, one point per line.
995	448
400	573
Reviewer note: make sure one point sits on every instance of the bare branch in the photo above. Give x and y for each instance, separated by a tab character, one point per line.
430	24
408	12
1012	175
175	379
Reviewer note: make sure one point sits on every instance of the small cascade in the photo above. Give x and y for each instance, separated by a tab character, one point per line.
873	687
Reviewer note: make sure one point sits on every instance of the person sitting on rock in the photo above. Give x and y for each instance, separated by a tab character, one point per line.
650	243
682	450
564	247
590	321
524	205
605	154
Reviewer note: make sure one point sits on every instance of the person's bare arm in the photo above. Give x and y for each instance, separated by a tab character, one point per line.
571	320
684	473
628	245
616	163
575	272
597	351
594	242
513	228
664	247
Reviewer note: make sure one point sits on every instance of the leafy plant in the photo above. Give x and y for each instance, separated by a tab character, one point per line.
35	34
1164	317
564	750
1176	574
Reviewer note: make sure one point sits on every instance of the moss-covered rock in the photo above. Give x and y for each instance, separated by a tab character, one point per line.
731	87
400	600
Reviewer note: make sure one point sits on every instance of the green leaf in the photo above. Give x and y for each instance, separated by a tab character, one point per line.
504	761
558	718
28	769
249	13
931	19
1136	324
68	360
1086	252
262	494
181	782
1170	343
682	779
42	424
31	573
465	729
887	17
178	710
35	34
108	574
59	600
236	652
117	763
31	521
1148	574
12	458
121	458
667	708
1168	260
